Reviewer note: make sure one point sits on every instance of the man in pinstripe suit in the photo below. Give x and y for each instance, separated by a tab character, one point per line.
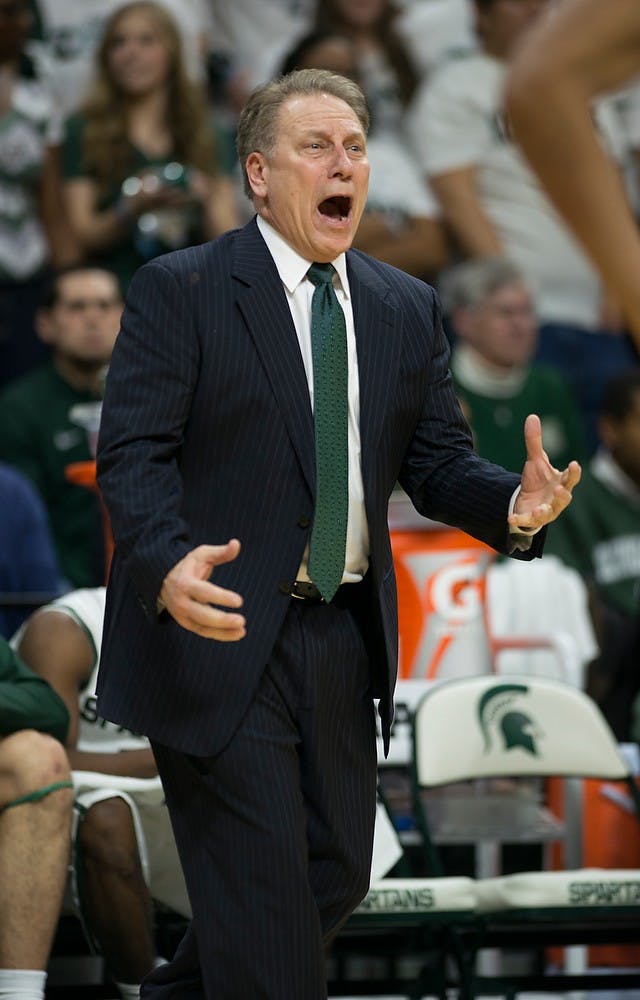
256	693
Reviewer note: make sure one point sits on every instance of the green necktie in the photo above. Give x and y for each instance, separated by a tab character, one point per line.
330	415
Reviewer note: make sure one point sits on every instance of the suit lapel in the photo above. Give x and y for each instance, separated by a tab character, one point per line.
263	305
378	340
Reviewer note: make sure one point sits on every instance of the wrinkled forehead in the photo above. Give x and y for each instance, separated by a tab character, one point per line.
91	280
305	112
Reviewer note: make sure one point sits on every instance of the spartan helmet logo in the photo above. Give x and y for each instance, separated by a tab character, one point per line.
498	709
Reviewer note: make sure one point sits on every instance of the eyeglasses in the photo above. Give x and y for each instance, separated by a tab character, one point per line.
81	305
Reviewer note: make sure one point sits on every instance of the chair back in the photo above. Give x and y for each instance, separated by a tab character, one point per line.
488	726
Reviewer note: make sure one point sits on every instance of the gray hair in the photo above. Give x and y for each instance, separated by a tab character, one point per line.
468	284
258	124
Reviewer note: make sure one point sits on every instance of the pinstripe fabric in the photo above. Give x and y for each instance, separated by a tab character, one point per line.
288	808
207	433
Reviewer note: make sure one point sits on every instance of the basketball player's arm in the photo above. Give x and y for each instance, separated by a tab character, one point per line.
469	224
56	648
584	48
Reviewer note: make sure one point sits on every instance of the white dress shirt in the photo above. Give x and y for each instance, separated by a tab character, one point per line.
292	269
299	290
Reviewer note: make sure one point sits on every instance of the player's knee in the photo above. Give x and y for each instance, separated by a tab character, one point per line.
31	761
107	837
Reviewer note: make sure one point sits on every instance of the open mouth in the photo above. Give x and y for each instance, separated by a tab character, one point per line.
337	209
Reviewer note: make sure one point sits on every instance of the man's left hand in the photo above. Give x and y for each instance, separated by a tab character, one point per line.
544	491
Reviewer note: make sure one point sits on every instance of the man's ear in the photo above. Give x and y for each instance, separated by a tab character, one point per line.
44	326
257	172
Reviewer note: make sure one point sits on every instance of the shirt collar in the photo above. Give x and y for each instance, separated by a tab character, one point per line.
290	265
477	375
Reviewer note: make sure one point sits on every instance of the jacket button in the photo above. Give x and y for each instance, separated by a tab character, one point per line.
304	521
284	587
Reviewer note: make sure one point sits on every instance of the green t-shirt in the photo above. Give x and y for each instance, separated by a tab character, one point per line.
38	437
136	246
498	421
27	701
599	536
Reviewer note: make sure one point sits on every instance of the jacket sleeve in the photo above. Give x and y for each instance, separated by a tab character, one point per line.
445	479
27	701
152	374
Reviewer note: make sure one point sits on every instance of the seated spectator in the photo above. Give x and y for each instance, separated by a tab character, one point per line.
491	313
127	856
385	69
494	205
124	850
434	30
33	232
143	171
69	33
28	565
600	537
79	318
401	224
35	820
253	37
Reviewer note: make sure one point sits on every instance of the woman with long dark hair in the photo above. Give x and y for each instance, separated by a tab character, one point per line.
385	69
144	173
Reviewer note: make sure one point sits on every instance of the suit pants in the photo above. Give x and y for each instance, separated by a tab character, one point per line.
275	833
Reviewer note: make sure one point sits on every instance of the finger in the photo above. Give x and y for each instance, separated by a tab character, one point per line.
533	437
561	499
217	633
213	617
203	616
534	518
226	635
543	513
571	475
205	592
216	555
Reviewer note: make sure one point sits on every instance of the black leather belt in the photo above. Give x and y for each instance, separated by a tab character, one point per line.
308	593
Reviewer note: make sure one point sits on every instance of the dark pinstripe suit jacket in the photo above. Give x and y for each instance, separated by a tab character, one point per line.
207	433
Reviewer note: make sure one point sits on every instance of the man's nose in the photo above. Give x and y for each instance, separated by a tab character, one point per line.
341	162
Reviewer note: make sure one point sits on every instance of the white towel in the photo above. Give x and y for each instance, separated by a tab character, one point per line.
541	599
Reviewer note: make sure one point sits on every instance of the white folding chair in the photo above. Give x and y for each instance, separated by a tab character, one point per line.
480	745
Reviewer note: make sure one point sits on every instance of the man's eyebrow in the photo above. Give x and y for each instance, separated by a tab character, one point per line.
319	132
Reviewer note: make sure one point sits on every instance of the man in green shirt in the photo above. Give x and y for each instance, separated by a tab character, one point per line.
600	538
41	430
35	820
491	312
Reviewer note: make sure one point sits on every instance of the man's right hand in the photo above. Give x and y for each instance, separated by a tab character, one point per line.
198	604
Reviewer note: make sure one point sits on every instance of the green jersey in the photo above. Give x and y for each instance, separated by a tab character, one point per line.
497	412
27	701
39	437
599	533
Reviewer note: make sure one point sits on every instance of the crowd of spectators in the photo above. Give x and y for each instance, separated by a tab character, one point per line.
117	144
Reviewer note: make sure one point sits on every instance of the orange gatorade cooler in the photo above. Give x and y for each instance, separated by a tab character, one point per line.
441	574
